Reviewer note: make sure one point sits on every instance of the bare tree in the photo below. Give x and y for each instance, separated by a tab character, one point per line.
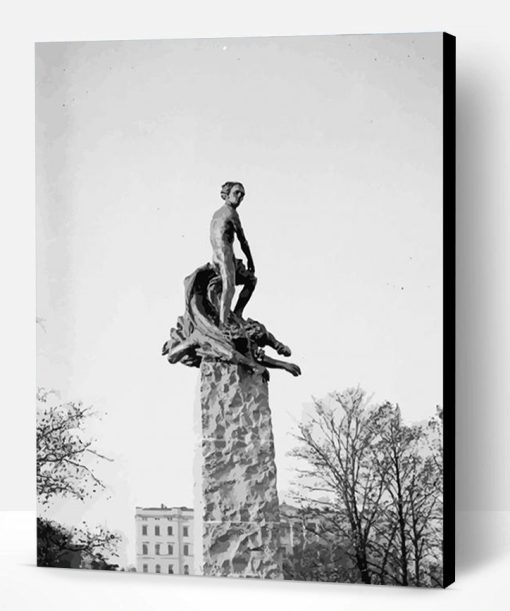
65	453
394	465
412	476
380	484
64	450
336	444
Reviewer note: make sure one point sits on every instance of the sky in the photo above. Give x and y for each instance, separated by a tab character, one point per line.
338	142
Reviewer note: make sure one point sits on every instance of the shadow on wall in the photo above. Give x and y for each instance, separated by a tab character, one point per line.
481	477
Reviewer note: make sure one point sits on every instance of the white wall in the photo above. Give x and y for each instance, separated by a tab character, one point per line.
483	386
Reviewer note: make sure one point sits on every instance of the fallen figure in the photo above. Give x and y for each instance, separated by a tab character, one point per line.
198	335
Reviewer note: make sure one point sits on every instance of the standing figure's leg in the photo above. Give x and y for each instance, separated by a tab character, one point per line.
225	263
245	294
249	282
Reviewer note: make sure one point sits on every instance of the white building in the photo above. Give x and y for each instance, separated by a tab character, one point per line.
164	537
164	540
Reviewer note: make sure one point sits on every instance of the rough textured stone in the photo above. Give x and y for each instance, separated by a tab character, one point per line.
235	404
240	482
236	506
242	549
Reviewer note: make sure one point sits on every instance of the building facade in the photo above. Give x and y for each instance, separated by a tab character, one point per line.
164	537
296	529
164	540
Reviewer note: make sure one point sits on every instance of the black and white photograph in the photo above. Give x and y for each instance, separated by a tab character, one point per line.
241	293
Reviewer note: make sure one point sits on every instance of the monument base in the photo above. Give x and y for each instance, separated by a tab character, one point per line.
237	517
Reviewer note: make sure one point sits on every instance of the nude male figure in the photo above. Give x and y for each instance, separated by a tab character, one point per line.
225	225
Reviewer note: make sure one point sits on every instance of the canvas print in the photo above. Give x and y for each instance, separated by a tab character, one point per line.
245	285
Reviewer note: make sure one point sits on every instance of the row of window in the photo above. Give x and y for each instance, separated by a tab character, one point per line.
169	531
170	549
173	518
157	569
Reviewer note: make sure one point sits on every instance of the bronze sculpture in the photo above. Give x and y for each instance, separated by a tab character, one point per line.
208	327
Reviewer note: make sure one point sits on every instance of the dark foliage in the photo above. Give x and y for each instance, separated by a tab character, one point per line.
58	546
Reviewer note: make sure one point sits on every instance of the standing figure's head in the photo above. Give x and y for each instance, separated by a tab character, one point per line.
232	193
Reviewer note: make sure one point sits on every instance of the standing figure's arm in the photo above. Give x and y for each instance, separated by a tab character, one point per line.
244	243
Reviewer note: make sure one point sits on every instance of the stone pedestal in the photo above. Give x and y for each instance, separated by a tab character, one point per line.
237	516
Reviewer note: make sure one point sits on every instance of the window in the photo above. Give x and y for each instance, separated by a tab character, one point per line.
158	568
145	549
170	531
170	569
145	568
186	550
185	531
144	529
156	549
156	531
170	550
186	569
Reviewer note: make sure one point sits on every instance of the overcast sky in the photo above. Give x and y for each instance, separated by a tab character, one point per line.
338	142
